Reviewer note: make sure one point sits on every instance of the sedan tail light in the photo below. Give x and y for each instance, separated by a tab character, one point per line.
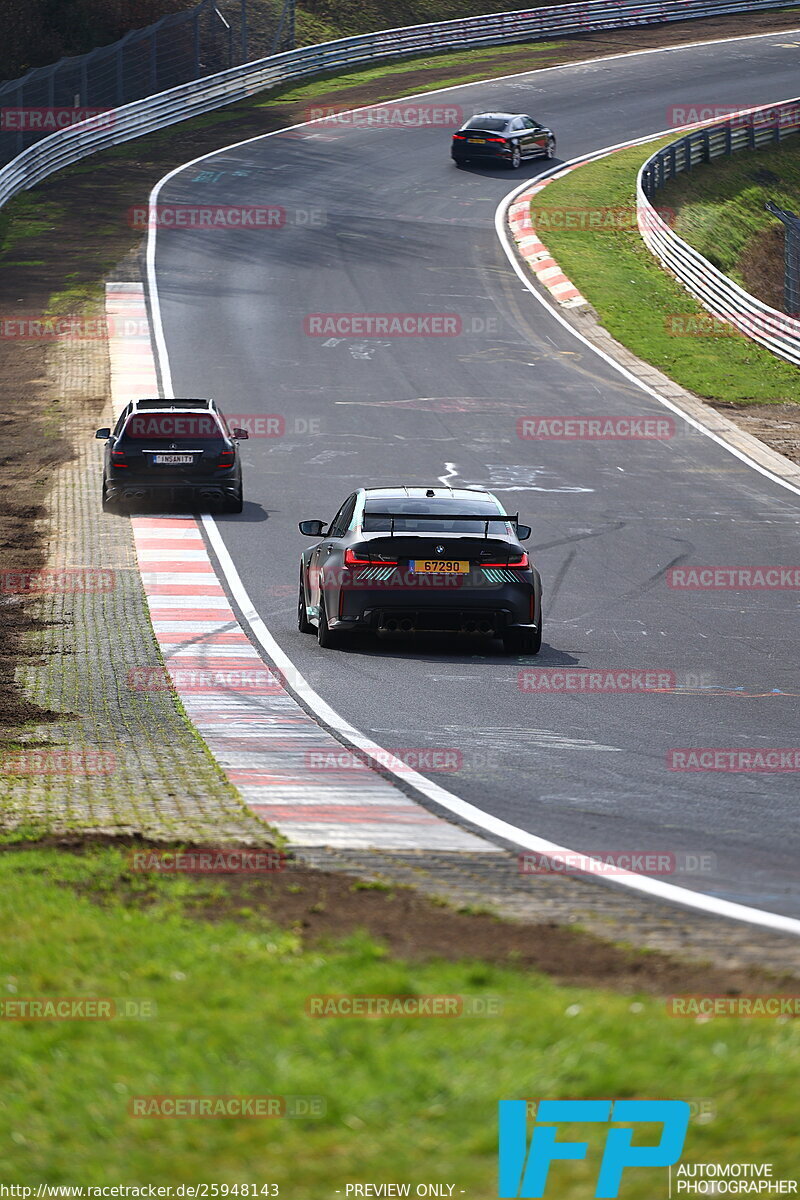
351	559
520	563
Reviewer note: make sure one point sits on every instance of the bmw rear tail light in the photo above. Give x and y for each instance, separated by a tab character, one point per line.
353	559
521	563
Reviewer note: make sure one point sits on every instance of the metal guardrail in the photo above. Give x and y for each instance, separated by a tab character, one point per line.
729	303
189	100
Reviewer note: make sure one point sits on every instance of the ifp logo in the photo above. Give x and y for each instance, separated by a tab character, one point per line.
524	1171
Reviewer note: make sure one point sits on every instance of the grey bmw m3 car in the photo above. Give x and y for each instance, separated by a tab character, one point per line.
409	559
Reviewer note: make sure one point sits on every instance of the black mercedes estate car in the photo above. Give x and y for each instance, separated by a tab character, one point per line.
172	450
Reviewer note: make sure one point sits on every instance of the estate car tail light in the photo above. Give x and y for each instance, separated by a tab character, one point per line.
118	458
520	563
227	458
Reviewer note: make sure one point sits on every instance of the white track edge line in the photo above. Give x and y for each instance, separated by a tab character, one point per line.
438	795
653	888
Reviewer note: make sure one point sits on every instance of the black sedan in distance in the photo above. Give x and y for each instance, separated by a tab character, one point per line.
421	559
507	138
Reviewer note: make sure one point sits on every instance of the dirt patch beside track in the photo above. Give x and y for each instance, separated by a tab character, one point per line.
322	907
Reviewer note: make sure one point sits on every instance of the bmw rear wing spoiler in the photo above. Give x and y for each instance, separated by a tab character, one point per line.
513	519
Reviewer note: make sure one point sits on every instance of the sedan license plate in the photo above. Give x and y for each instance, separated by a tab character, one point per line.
436	566
477	141
172	460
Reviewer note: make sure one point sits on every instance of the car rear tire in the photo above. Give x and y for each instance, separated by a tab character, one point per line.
108	506
523	641
550	152
303	623
236	503
515	162
328	639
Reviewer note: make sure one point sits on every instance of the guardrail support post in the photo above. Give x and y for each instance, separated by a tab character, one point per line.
154	59
791	257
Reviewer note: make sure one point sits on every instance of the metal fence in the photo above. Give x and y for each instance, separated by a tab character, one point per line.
188	100
180	47
729	303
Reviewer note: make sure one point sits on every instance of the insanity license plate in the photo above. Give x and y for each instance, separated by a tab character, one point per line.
172	460
436	566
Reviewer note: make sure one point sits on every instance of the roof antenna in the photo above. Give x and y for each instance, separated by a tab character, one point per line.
430	492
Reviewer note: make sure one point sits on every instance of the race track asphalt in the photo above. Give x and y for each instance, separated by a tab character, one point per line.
380	221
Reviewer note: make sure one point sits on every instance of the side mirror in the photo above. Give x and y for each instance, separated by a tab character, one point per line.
524	532
312	528
241	435
103	434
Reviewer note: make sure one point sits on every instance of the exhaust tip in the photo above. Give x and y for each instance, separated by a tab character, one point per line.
406	626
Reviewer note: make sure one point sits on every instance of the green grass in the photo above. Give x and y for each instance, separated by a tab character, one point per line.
406	1099
720	205
636	300
27	216
427	62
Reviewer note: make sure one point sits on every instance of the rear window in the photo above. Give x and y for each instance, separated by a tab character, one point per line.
493	123
178	427
408	513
